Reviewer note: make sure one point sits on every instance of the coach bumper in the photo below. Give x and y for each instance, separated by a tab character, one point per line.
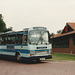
37	57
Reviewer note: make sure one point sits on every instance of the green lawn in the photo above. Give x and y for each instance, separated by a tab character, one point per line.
60	56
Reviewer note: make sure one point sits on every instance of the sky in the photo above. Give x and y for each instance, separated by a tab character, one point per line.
53	14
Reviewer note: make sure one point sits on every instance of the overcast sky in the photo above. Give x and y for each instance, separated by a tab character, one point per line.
52	14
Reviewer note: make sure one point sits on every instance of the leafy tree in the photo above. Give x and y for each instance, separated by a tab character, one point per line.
2	24
59	31
52	34
8	29
3	27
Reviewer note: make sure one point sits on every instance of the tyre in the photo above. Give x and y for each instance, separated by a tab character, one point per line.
18	57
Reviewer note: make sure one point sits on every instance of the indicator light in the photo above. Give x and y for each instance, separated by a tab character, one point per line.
30	54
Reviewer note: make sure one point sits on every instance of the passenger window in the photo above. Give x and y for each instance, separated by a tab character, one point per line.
1	40
25	39
19	39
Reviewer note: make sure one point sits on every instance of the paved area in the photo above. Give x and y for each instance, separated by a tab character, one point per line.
8	67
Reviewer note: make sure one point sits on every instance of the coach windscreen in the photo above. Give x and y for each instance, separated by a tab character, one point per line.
38	37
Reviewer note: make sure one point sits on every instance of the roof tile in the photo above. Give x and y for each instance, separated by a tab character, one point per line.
72	25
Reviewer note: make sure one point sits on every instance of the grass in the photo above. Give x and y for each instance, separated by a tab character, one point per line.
65	57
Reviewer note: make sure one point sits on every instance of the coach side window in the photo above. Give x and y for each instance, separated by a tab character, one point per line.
11	39
19	39
4	39
25	39
1	40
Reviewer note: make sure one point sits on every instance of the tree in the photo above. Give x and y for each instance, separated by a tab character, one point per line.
52	34
8	29
59	31
3	27
2	24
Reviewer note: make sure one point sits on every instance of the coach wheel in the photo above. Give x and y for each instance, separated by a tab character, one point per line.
18	57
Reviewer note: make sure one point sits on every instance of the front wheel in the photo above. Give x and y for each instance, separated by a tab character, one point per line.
18	57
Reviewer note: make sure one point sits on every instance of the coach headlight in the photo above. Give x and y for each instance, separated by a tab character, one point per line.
32	52
49	51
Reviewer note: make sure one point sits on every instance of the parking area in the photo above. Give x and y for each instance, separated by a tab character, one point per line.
11	67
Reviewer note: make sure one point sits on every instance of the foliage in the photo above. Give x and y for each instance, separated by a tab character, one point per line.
3	27
59	31
52	34
2	24
8	29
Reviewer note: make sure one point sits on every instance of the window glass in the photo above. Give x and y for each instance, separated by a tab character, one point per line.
25	39
74	40
1	40
19	39
61	43
38	37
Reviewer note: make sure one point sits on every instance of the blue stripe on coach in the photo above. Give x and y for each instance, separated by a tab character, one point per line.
14	44
21	51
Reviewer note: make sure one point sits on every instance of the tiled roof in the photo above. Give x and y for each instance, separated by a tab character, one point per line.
59	34
72	25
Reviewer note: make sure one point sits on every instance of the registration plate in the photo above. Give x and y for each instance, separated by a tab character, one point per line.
42	58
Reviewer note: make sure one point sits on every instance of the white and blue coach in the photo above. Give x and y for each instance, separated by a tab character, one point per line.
30	44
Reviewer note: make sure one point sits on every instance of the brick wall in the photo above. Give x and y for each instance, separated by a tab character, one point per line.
71	48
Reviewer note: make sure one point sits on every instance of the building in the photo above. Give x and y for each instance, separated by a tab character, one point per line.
64	42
